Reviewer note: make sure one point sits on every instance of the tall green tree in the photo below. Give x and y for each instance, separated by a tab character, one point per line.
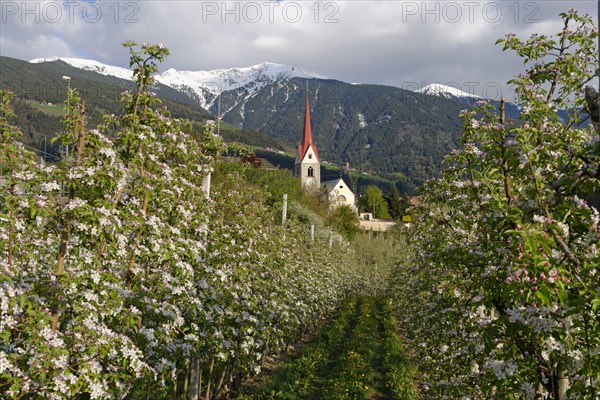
373	201
397	204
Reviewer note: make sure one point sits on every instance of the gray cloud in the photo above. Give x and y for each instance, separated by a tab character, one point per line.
401	43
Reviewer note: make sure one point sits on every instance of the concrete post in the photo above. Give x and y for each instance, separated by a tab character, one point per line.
284	212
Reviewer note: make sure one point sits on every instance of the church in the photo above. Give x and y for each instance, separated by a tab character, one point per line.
308	168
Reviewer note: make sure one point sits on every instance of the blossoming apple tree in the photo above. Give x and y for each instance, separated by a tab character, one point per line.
502	296
120	277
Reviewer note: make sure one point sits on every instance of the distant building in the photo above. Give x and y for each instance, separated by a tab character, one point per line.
415	200
369	223
308	165
339	193
308	168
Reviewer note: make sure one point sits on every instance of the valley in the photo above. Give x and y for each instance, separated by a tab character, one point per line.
398	135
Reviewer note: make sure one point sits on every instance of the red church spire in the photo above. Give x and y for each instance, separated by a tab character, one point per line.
307	140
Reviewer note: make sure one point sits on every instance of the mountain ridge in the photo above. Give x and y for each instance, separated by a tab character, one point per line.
207	85
397	134
89	65
39	100
203	85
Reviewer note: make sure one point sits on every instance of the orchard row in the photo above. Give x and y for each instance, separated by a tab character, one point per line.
121	278
501	298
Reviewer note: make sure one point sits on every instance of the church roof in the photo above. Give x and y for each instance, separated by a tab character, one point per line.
333	184
307	140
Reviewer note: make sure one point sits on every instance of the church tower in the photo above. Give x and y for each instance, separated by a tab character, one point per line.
307	165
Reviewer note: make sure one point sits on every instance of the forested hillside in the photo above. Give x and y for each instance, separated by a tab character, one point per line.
403	137
39	84
399	135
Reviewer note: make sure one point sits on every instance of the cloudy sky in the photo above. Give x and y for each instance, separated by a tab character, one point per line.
401	43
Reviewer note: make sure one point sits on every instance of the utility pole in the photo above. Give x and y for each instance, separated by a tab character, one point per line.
68	79
284	212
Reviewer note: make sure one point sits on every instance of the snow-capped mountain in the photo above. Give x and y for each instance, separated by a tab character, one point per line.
90	65
204	86
379	128
437	89
207	85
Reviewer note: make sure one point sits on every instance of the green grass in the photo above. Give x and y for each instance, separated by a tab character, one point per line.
53	110
357	356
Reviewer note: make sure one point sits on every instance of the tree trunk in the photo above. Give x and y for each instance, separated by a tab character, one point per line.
64	236
199	388
210	373
221	379
563	385
539	392
186	380
192	390
175	385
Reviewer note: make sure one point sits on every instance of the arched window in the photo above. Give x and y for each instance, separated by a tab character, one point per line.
341	198
311	171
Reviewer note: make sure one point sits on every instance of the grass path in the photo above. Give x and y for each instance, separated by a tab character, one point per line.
357	356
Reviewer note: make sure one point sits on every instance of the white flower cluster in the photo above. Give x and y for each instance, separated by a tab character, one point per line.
500	289
135	275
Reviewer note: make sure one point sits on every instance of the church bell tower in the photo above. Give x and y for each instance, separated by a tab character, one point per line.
308	165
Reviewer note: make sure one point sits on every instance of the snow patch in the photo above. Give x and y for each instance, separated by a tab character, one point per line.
437	89
216	81
90	65
362	122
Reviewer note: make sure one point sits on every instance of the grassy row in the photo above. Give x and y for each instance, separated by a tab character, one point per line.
357	356
354	374
299	378
399	373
